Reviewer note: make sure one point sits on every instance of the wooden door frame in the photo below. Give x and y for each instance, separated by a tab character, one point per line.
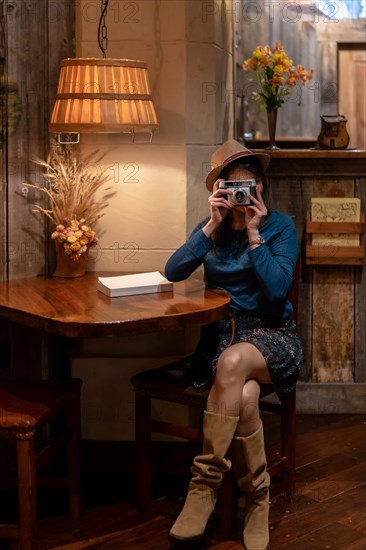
346	46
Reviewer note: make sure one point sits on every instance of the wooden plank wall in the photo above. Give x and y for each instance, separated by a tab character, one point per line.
3	145
333	326
360	299
34	37
311	39
332	306
38	35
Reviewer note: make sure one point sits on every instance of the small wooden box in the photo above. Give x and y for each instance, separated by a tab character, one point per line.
341	255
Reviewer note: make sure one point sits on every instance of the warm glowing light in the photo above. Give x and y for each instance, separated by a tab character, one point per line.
103	95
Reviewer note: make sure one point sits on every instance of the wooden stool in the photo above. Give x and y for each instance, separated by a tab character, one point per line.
25	406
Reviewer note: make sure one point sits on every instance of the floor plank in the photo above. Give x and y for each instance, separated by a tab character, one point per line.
334	484
318	515
359	545
327	509
320	539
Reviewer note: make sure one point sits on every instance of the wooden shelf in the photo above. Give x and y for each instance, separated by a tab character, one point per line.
282	142
337	255
315	154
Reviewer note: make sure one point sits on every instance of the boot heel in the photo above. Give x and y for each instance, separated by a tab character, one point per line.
197	543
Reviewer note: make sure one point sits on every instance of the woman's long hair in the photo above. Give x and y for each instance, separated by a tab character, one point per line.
225	234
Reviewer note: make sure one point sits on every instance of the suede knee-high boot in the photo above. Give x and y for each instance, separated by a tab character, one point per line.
207	472
250	465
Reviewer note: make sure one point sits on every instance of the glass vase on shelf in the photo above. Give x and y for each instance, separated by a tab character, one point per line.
272	123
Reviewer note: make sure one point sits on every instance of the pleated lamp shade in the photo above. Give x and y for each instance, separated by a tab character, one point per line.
103	95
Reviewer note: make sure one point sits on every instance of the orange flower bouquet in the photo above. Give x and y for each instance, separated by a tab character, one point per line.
276	73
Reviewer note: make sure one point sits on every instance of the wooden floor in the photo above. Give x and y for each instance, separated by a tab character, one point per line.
327	511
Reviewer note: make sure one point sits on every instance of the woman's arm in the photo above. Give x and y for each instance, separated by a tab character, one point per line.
189	256
274	264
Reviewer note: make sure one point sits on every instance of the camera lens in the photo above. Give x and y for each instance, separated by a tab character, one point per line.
240	196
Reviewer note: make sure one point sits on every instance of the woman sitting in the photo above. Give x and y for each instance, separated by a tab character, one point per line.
250	251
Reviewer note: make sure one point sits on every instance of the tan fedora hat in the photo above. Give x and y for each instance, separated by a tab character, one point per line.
228	152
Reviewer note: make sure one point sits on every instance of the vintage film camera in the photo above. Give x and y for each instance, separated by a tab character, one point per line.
241	191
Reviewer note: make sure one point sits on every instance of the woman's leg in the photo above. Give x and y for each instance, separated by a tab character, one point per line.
221	418
234	393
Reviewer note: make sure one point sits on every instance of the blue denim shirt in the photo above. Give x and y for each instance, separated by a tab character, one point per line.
257	280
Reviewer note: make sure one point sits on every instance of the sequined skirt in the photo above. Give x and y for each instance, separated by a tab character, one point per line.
276	339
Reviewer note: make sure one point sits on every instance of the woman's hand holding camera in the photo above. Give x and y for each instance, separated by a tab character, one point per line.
219	208
255	216
256	213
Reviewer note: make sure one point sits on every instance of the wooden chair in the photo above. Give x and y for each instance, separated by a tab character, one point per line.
25	407
168	383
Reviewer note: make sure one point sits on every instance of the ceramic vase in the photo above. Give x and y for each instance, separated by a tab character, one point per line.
66	266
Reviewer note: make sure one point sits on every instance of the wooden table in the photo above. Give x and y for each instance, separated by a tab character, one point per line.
75	308
50	316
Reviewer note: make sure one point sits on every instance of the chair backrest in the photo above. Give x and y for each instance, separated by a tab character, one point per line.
294	292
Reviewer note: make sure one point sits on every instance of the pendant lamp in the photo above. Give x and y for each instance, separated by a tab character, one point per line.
103	95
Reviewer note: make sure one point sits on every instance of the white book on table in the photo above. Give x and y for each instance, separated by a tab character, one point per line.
138	283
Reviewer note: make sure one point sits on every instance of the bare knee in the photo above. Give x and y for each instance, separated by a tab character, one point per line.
229	370
238	364
249	409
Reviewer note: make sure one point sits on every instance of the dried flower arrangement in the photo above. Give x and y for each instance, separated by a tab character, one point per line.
75	237
72	187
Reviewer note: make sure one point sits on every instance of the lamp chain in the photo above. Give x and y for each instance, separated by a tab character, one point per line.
102	29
